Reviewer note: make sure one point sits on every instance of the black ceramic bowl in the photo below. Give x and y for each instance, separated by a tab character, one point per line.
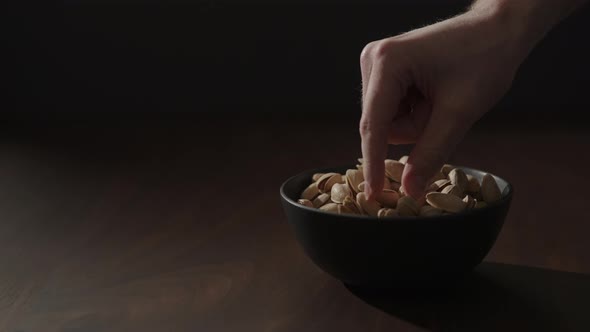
395	252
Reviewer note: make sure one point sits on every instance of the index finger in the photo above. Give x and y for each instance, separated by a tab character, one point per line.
380	106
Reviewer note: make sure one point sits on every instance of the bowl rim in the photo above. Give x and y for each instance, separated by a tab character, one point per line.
504	200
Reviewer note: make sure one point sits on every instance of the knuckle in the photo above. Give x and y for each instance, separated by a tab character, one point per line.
382	52
367	52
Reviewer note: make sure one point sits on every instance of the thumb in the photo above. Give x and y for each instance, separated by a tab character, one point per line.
442	133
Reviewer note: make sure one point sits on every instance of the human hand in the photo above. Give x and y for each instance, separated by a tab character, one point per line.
430	85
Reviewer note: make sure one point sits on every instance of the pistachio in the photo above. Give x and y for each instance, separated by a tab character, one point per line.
439	184
407	206
470	202
334	179
370	207
339	192
489	189
361	187
322	181
321	200
446	169
453	190
472	184
351	205
427	211
395	186
331	207
438	176
353	179
310	192
305	202
446	202
394	170
316	176
388	198
385	212
386	183
458	178
450	191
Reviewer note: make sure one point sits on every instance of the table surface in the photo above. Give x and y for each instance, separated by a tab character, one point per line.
174	224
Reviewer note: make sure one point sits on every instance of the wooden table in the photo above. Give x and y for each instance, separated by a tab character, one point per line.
173	223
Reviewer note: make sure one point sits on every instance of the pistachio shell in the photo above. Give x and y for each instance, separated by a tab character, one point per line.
321	200
370	207
388	198
305	202
361	160
458	178
427	211
439	184
407	206
385	212
469	202
394	185
453	190
359	167
361	186
446	169
489	189
310	192
316	176
386	183
394	170
330	207
403	159
472	184
322	181
339	192
446	202
438	176
332	181
351	205
353	179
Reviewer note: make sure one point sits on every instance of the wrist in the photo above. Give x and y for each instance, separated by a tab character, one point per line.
519	24
526	21
523	23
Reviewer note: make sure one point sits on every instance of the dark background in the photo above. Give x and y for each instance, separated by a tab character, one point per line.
244	57
140	175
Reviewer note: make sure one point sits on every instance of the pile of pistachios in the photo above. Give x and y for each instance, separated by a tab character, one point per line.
451	190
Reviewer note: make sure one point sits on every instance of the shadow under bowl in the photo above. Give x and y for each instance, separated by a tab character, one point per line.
400	252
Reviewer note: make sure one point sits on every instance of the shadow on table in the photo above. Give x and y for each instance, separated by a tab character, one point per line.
496	297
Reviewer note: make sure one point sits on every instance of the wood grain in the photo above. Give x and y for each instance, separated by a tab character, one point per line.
173	223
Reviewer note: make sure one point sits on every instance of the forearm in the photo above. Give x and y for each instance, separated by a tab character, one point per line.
527	20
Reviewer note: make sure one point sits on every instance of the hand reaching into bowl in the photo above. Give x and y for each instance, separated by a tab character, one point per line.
430	85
